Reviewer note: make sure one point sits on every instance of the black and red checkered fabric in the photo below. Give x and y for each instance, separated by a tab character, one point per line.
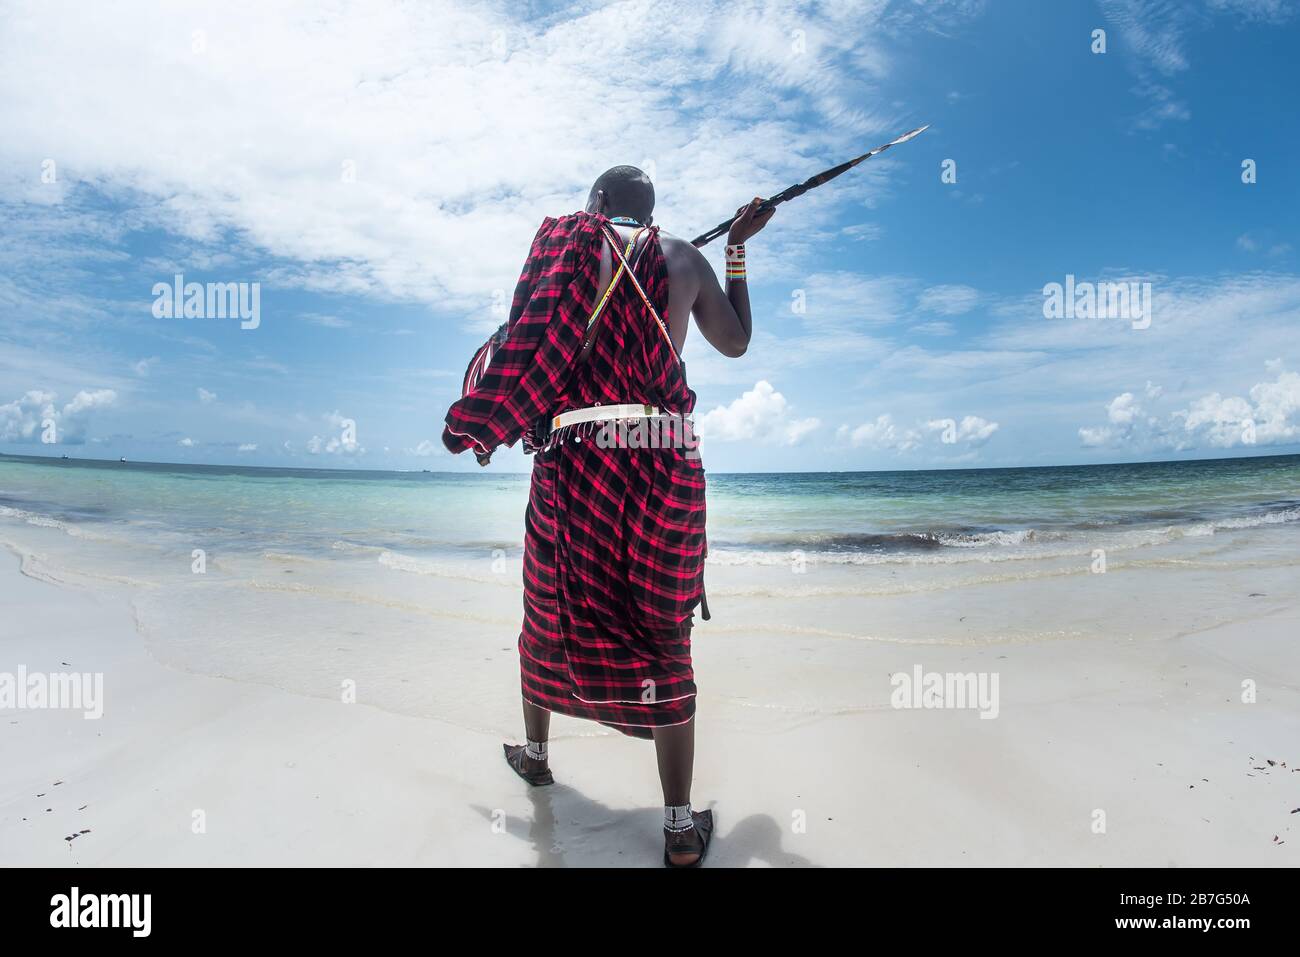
614	537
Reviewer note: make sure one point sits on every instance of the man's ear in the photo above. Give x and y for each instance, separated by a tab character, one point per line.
649	220
602	202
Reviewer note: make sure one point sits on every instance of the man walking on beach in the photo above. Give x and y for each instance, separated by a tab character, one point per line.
614	540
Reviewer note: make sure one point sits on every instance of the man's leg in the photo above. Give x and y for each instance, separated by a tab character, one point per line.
537	729
675	751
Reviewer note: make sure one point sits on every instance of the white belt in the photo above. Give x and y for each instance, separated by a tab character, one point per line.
598	412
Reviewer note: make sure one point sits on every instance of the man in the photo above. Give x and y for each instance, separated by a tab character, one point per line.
614	540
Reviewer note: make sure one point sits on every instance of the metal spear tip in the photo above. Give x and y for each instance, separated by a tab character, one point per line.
908	135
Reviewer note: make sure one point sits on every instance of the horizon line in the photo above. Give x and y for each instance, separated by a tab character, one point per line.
43	459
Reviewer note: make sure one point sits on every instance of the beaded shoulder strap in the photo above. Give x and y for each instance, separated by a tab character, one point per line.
624	268
618	274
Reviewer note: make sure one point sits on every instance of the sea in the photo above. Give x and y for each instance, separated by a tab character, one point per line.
941	516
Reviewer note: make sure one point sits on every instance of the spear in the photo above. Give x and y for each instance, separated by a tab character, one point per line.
791	192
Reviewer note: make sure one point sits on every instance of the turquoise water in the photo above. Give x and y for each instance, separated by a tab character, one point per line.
843	517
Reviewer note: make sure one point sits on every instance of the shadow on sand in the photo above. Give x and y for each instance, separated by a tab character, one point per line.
569	829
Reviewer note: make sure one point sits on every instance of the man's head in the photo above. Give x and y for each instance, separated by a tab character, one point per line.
623	191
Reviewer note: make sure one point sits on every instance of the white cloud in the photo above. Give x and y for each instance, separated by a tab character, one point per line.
1252	243
426	448
835	301
762	414
1220	421
863	232
1265	11
948	300
321	319
144	365
1123	409
344	443
971	430
206	397
85	401
20	420
187	443
1155	33
34	415
883	433
1094	437
248	447
1268	417
1274	405
361	143
1130	426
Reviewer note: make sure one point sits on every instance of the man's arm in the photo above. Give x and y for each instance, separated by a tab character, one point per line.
723	317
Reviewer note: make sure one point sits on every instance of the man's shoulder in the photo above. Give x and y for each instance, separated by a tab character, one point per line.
677	249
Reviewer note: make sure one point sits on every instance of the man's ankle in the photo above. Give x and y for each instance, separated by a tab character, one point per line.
535	752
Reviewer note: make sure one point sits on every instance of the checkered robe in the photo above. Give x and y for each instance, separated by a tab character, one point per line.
614	541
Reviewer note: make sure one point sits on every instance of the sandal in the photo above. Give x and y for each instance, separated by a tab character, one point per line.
691	841
515	758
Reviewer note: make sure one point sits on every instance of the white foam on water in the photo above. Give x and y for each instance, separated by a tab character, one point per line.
985	539
342	546
44	521
1009	546
459	572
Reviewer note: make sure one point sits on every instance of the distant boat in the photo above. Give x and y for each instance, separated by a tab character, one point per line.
63	456
122	459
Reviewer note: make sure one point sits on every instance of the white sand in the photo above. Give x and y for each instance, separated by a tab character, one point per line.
1143	721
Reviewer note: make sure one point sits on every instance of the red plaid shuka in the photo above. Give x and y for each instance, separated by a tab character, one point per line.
614	540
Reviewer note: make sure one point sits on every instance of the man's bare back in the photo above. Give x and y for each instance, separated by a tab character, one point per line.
723	317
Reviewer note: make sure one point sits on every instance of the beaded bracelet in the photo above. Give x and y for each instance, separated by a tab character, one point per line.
736	262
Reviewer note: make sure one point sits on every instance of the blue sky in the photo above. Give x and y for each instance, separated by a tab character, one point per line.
379	170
